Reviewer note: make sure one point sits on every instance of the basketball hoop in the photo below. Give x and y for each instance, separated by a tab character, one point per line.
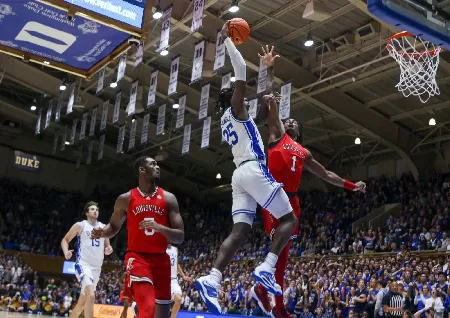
419	61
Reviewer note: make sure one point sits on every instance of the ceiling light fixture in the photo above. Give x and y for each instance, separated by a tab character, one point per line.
357	141
234	6
113	85
218	176
233	79
175	106
432	122
309	40
164	52
158	13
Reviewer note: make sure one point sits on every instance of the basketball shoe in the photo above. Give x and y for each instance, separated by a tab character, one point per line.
262	297
264	274
208	290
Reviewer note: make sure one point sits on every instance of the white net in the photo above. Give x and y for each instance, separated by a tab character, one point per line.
419	61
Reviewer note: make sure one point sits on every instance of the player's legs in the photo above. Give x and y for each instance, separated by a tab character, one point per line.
144	295
160	265
279	274
89	292
79	307
176	298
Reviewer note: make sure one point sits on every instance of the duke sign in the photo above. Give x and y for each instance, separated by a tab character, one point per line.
26	161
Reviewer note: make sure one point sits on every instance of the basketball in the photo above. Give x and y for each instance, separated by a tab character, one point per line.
239	30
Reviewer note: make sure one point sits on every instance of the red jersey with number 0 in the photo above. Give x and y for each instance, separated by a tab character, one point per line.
285	161
144	207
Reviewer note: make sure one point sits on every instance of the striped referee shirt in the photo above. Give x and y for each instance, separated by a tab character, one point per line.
393	300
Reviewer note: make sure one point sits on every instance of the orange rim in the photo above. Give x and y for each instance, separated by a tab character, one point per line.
390	47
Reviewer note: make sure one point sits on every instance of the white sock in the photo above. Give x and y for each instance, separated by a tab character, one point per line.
216	275
271	260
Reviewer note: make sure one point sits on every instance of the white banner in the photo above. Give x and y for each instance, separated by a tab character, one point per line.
204	99
144	133
58	108
74	131
83	126
101	80
48	116
63	140
165	29
139	55
78	164
262	77
161	120
71	101
117	107
132	140
226	81
120	138
205	132
151	98
219	60
55	143
37	130
252	107
89	155
197	15
122	66
133	96
104	115
173	75
180	111
197	63
186	139
285	102
93	121
100	147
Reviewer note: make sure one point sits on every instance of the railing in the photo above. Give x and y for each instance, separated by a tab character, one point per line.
377	217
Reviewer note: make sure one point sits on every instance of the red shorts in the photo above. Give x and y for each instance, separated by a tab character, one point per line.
271	223
151	268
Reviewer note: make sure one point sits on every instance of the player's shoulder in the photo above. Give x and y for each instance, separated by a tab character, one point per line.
124	197
169	195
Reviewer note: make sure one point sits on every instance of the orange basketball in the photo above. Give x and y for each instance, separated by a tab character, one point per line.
239	30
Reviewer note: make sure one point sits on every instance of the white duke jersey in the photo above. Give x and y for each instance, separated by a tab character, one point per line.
243	137
172	251
90	252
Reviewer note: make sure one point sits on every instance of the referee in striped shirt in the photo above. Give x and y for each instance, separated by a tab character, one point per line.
393	301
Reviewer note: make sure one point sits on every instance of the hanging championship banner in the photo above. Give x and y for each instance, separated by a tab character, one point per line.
285	102
93	120
78	164
226	81
144	133
48	116
89	155
100	147
197	63
74	131
120	138
37	130
252	107
139	55
58	108
205	132
197	15
133	96
151	98
262	77
186	139
63	140
83	126
122	66
132	140
71	101
55	143
161	120
173	75
180	111
117	107
104	115
219	60
165	30
101	79
204	98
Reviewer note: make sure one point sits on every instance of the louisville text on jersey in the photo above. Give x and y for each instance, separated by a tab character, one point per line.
148	208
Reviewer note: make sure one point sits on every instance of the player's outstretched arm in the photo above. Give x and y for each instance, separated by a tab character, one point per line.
117	218
276	127
74	231
316	168
240	74
268	58
182	274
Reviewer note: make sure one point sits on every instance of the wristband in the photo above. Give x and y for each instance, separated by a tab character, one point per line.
349	185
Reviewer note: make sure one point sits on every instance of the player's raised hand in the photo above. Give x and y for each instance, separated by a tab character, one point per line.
268	98
360	186
68	255
96	233
188	278
225	33
268	56
108	250
150	224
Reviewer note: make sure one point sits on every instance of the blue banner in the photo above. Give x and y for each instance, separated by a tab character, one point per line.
130	12
68	268
45	31
25	161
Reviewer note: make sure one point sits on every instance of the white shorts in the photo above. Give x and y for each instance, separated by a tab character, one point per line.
252	183
175	288
87	276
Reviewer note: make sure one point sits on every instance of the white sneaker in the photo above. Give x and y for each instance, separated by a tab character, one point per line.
264	274
208	290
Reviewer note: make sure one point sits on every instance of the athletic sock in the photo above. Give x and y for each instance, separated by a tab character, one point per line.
216	275
271	260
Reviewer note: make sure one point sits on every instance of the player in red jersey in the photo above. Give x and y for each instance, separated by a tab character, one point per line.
153	220
286	160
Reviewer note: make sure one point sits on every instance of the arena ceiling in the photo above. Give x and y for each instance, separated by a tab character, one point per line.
340	91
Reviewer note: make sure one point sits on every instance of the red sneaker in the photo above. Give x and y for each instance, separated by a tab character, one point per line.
283	313
261	296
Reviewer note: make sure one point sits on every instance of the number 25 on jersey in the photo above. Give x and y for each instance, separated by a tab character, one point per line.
230	135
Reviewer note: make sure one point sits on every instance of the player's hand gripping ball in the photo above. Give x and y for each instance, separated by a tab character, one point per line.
238	30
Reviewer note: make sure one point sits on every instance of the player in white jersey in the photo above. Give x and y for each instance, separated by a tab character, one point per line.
89	258
175	288
251	183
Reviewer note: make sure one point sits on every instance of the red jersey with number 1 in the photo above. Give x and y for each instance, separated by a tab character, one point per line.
143	207
285	162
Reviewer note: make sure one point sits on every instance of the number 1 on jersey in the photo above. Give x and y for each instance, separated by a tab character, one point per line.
294	160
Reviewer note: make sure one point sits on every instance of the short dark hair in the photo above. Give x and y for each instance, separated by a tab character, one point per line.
224	100
88	204
141	161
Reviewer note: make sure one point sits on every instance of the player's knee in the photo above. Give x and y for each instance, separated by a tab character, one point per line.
241	232
290	219
177	298
90	293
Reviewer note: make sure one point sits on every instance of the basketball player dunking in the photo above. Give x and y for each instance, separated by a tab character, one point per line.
153	219
286	160
251	184
89	258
